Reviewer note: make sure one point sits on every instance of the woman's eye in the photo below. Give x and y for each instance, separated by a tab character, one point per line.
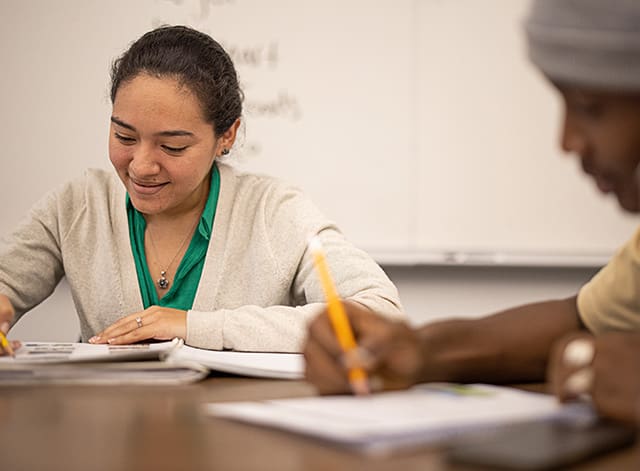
174	150
125	139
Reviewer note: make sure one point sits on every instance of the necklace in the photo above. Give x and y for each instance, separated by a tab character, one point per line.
163	282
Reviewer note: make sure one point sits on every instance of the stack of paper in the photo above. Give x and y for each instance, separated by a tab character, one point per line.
156	363
256	364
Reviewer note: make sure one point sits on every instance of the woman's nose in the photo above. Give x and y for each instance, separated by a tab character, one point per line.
143	161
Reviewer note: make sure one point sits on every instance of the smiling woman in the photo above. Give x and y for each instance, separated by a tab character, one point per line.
181	244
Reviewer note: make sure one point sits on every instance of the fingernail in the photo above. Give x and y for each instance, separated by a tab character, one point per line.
579	382
94	339
578	353
5	327
111	340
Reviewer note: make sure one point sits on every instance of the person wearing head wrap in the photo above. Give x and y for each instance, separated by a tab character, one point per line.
590	51
589	343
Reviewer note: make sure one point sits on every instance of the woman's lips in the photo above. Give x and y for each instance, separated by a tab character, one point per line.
147	188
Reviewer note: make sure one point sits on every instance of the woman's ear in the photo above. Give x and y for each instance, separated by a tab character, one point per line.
225	143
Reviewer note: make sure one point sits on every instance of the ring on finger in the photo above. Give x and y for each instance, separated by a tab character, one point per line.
139	321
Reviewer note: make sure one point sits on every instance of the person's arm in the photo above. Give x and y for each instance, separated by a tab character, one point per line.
31	256
266	290
284	327
7	314
510	346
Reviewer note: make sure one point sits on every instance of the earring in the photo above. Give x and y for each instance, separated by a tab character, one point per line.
225	151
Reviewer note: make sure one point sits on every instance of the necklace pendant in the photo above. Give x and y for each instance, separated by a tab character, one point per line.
163	283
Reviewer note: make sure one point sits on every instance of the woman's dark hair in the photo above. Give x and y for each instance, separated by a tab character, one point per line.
196	60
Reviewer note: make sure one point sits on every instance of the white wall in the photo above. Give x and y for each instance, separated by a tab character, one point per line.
428	293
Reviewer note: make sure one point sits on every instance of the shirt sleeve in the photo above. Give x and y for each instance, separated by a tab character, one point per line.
611	299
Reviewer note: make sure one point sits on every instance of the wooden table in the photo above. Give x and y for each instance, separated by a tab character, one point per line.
163	428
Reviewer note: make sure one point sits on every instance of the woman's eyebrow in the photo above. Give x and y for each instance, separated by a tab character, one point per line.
168	133
119	122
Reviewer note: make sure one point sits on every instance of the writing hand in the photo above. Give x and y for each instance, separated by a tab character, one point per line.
604	366
7	313
390	352
159	323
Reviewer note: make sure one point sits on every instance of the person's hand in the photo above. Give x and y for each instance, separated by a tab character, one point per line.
606	366
389	351
7	313
159	323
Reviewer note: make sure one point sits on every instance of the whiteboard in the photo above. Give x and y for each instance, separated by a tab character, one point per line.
417	125
492	177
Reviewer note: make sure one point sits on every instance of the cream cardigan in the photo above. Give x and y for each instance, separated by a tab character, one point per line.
258	287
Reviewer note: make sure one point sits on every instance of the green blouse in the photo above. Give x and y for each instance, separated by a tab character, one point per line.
182	290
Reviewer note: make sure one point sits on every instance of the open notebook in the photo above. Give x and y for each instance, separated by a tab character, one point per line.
381	423
157	363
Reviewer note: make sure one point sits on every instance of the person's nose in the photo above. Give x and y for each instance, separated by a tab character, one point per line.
143	161
572	138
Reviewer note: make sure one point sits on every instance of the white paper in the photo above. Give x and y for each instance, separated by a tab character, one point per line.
383	422
256	364
65	352
51	362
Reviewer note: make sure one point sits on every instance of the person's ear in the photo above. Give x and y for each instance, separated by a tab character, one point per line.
227	139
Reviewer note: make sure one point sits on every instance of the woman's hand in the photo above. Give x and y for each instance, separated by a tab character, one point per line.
390	352
606	366
7	313
159	323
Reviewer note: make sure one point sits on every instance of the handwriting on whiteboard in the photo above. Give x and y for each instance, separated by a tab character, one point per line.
268	96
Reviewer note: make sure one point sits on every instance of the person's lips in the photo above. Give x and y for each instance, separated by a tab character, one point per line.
146	188
604	185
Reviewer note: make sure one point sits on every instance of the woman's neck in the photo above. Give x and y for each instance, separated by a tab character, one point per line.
187	213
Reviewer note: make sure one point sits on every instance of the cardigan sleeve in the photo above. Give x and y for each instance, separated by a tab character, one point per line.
277	230
30	257
283	328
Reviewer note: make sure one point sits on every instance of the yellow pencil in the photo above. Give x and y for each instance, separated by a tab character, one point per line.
338	316
5	344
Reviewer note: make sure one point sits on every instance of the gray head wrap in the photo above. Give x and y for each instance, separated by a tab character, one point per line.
588	43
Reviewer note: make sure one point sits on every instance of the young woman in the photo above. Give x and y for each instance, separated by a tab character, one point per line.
590	50
178	244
